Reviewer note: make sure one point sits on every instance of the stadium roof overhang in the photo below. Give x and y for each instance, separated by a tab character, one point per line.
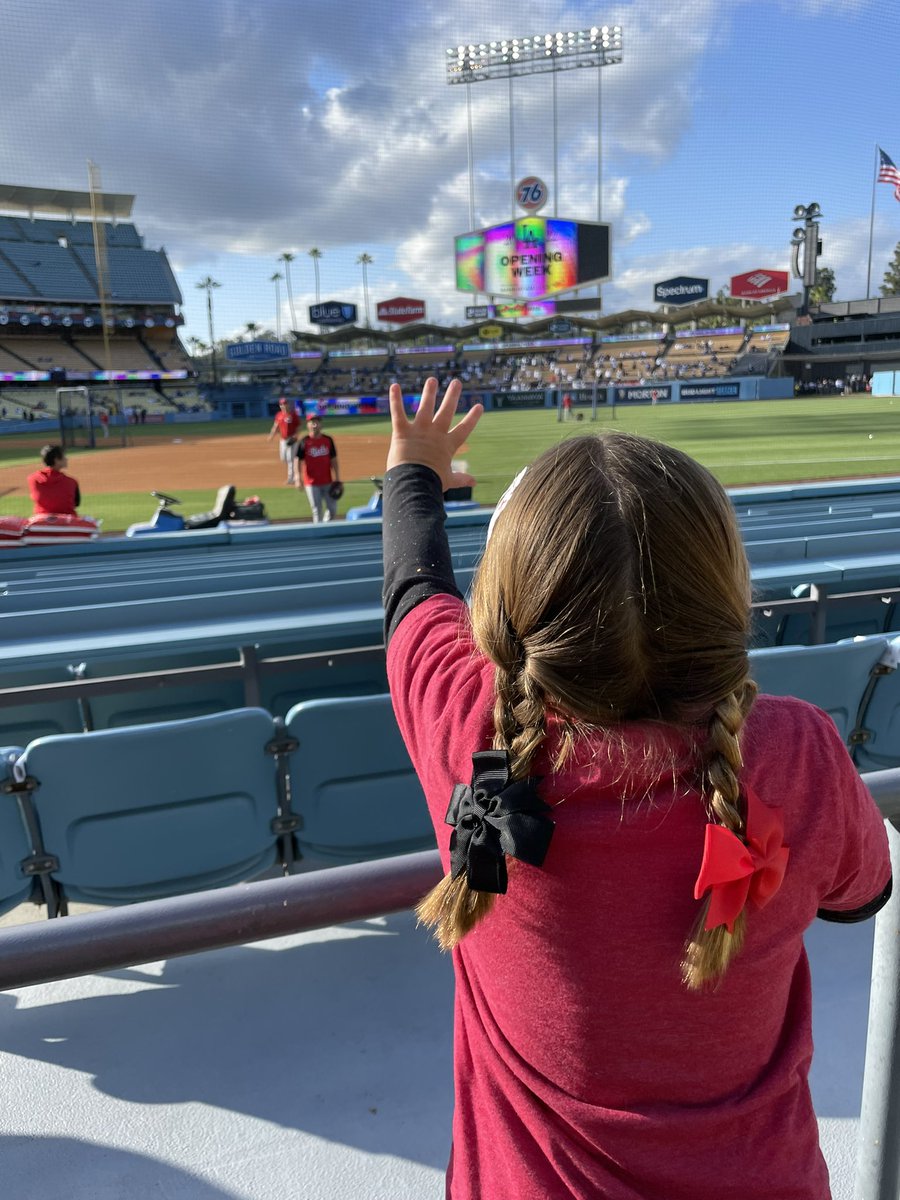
116	205
737	310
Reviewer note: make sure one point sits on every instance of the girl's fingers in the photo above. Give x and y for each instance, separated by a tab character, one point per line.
398	412
426	404
466	425
444	414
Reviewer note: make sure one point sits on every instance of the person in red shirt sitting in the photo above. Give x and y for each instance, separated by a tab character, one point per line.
286	424
317	457
50	489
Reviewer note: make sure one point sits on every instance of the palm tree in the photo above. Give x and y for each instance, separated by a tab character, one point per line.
207	285
198	346
252	329
315	254
276	279
364	260
287	258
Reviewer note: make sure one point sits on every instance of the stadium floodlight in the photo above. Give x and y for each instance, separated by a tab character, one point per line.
538	54
546	53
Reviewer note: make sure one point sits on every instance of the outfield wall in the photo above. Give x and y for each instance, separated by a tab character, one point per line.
886	383
689	391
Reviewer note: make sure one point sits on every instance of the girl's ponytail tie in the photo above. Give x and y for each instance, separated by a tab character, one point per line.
736	871
493	817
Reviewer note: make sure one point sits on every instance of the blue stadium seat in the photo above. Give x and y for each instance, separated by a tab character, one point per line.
14	844
53	270
878	735
352	783
834	677
157	810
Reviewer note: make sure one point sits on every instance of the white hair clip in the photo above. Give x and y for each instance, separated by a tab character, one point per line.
504	500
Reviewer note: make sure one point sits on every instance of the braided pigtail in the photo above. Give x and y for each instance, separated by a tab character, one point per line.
452	908
708	952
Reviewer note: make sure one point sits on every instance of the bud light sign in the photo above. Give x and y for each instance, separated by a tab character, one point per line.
683	289
332	312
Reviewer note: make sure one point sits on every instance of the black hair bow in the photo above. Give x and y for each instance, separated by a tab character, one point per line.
492	818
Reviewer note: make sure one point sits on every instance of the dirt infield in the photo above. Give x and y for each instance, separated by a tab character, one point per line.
248	462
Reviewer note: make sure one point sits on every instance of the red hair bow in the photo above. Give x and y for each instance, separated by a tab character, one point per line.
737	871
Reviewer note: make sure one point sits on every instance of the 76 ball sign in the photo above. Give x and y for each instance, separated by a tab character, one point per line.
531	193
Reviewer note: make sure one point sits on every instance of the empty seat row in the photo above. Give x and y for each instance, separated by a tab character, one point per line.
123	815
119	816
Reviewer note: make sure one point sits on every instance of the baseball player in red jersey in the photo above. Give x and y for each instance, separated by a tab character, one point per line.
286	424
317	457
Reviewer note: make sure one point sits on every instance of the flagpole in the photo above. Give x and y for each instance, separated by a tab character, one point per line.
872	225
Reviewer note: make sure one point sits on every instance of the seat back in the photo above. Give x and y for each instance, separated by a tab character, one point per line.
157	810
352	783
834	677
878	748
15	847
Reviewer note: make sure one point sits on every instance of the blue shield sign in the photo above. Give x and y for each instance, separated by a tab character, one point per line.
332	312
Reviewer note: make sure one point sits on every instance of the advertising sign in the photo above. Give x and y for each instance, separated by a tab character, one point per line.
683	289
560	325
657	392
758	284
332	312
700	391
490	331
530	399
345	406
256	352
531	193
532	257
511	310
401	310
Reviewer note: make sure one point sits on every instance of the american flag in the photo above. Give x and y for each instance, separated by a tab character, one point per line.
888	173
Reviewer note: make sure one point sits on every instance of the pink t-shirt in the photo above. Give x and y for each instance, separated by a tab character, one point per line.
583	1067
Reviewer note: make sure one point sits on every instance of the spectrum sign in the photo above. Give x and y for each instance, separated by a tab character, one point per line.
532	257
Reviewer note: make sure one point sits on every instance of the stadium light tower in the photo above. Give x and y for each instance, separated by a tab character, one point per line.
806	236
207	285
542	54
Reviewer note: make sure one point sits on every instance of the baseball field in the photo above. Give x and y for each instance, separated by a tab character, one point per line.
742	443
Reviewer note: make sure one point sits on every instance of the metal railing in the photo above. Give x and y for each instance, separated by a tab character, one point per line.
43	952
251	666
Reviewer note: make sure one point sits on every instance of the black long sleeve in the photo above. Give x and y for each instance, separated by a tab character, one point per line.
417	562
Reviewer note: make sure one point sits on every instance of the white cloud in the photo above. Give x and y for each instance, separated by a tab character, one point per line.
244	131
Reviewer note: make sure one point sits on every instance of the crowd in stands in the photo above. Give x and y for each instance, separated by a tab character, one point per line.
840	386
620	360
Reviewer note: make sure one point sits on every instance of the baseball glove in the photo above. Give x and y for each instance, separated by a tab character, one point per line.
336	490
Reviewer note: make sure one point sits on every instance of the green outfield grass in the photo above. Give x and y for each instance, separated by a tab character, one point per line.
742	443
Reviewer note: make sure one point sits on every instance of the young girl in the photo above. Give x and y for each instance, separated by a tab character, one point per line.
634	843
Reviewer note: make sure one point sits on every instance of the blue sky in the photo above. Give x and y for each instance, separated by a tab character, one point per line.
245	131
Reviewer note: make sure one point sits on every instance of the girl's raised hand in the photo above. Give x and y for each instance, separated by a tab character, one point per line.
428	438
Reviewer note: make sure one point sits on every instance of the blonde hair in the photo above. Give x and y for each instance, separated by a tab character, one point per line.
615	588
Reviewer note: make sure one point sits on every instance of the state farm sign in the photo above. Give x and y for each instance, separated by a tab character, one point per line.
756	285
401	310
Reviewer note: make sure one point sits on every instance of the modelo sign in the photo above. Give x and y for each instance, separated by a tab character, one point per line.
683	289
401	310
758	284
332	312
